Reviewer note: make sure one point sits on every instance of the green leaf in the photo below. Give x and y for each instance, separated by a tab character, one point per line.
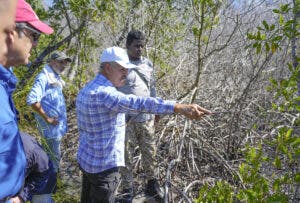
267	47
255	44
297	152
297	178
274	106
259	28
288	134
269	88
277	198
284	8
251	36
258	35
291	68
276	185
272	27
284	83
242	168
277	38
252	153
274	47
281	19
205	39
273	82
288	23
265	25
195	31
296	143
277	162
258	48
276	11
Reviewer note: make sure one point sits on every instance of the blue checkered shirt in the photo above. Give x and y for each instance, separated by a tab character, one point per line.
101	122
48	91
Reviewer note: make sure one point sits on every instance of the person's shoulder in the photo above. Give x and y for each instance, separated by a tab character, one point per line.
2	88
97	85
42	74
34	152
147	61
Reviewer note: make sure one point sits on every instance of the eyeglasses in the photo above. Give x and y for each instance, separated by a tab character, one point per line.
63	62
34	34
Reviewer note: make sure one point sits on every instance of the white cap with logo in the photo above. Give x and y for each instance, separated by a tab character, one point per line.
118	55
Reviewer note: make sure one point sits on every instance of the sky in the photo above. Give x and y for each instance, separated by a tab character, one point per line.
48	2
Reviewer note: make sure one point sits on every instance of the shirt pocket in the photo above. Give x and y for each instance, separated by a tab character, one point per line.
8	133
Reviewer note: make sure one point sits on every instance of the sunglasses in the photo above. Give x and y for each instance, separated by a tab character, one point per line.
34	34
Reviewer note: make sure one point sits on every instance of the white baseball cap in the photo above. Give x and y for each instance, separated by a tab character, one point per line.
118	55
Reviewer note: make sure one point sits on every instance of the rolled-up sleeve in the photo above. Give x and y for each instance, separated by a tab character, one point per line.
38	90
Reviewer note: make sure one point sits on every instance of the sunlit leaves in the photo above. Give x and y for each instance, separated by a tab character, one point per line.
206	14
297	178
269	37
220	192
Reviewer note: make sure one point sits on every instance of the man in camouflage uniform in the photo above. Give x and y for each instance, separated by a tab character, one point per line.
140	127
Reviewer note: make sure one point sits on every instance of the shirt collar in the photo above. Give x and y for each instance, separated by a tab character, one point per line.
52	77
50	69
104	80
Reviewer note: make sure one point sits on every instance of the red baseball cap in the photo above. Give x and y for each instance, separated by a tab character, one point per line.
25	13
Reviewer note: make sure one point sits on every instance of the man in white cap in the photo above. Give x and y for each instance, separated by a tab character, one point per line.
101	112
47	100
19	42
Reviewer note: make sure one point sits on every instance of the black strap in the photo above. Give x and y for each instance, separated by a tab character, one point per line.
142	77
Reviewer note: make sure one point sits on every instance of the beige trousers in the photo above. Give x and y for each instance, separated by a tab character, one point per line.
141	135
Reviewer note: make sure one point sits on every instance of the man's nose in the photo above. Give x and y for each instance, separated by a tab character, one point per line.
34	43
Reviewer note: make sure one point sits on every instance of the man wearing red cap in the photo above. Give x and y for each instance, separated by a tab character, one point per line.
26	34
20	41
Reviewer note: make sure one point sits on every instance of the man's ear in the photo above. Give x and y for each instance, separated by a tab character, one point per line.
106	68
11	36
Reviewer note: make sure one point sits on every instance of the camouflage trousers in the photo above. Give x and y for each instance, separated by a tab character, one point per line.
140	135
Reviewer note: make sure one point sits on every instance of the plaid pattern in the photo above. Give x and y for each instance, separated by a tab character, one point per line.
53	103
101	122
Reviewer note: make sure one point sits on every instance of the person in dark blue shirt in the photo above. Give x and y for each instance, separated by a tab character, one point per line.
40	174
